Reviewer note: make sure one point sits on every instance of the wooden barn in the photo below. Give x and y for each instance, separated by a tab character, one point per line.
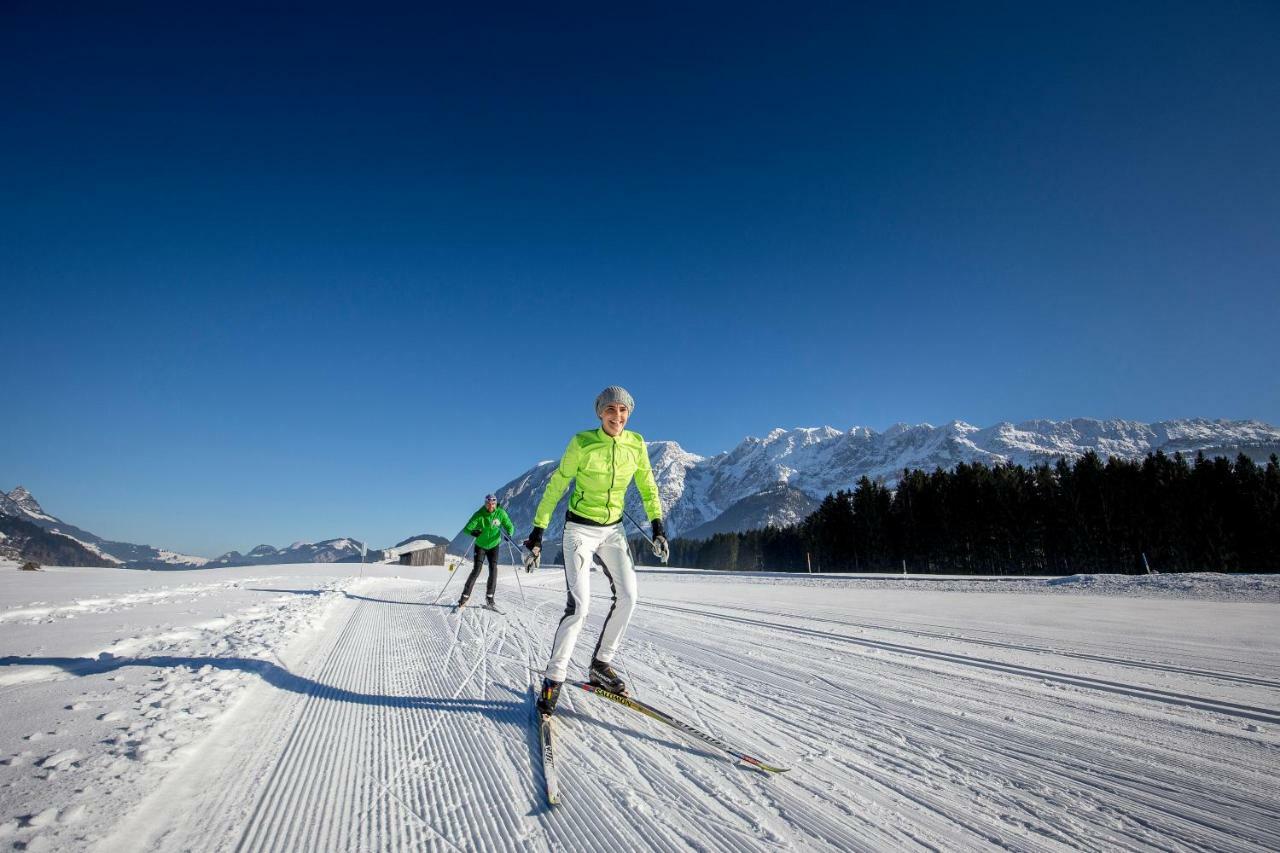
421	553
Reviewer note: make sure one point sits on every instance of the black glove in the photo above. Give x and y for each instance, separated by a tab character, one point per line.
658	529
534	540
474	532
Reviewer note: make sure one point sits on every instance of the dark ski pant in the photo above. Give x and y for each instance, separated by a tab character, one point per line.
492	585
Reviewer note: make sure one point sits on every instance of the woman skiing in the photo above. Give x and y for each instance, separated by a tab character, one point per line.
601	463
487	525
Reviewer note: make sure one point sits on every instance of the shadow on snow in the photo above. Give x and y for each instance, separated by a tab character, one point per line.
505	711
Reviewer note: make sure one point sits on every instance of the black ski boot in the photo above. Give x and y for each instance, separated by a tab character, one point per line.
549	696
461	602
605	676
488	602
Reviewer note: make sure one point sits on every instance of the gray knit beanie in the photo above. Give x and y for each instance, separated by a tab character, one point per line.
614	394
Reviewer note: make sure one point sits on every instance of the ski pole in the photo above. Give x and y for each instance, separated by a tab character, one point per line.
641	529
454	572
638	527
515	568
519	549
528	564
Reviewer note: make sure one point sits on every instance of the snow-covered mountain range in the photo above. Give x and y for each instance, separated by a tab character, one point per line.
338	550
22	505
56	540
779	479
341	550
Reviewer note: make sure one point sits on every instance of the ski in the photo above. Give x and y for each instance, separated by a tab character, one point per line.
547	743
458	607
665	718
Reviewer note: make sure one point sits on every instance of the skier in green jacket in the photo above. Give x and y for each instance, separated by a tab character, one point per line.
601	463
487	525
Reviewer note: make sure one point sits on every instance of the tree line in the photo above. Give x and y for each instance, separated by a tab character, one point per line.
22	540
1081	517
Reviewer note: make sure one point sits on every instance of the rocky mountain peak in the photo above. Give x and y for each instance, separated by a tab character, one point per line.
24	502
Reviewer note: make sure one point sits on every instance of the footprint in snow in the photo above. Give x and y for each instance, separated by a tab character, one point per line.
48	817
61	760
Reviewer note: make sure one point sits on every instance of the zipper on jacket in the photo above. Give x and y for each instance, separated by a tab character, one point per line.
613	475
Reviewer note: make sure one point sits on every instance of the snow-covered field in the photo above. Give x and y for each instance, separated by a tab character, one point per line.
304	707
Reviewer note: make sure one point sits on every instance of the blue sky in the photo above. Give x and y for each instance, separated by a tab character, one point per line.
295	272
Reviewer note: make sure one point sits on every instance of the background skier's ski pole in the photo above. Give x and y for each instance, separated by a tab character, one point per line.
515	565
456	566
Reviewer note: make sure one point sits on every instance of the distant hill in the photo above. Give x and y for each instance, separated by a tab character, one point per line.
430	537
21	540
57	538
341	550
22	505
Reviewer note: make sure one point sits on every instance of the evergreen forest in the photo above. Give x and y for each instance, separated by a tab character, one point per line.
1083	517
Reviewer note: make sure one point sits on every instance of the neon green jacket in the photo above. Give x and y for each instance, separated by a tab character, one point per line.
490	526
601	467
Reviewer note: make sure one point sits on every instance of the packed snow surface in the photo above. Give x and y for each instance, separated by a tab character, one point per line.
339	707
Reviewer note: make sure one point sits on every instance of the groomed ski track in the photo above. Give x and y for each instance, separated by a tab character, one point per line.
908	725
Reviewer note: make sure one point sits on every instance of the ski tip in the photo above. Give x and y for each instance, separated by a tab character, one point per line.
757	764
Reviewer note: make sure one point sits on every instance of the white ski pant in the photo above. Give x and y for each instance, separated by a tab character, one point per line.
582	542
